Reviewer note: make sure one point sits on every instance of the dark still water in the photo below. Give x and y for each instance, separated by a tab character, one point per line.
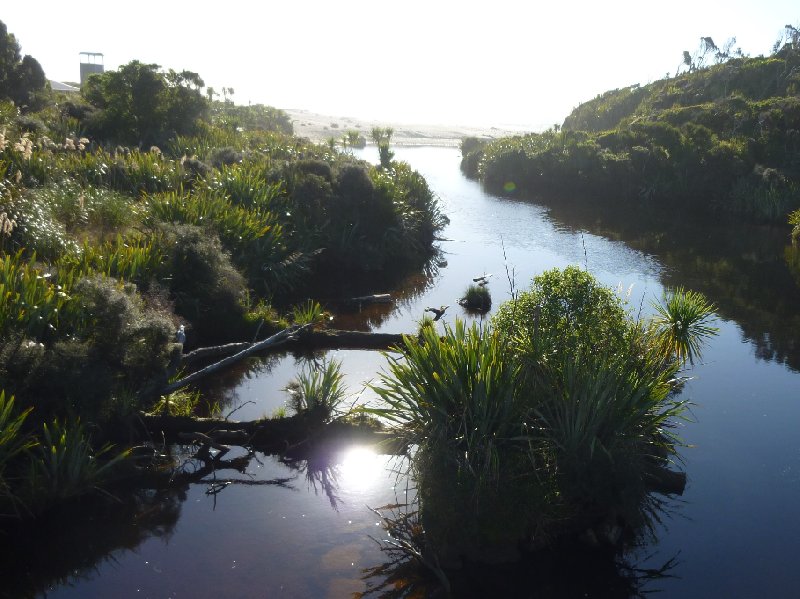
303	529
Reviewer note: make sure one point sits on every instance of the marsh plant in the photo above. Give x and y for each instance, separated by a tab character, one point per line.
476	298
548	423
67	465
318	390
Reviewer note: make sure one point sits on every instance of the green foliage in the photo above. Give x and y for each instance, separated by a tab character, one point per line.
681	325
318	391
182	402
30	302
310	312
67	466
549	424
794	220
13	440
207	289
721	138
565	312
477	298
22	79
138	104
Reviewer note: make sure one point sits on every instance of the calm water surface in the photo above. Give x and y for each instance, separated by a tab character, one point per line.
303	529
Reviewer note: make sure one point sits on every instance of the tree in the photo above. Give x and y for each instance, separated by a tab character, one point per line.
22	80
140	105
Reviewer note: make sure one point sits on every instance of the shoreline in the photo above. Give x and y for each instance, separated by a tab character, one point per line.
320	127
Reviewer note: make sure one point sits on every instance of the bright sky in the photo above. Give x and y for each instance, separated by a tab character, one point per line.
502	62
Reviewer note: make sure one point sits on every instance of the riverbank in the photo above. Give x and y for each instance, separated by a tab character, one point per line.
320	127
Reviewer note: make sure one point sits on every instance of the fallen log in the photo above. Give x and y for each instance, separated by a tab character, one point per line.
276	339
215	351
271	434
307	339
375	298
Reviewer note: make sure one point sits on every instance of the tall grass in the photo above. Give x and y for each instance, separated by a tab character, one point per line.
318	391
67	466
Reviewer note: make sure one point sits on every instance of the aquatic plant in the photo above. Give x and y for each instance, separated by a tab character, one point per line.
318	390
682	324
67	466
476	298
309	312
553	422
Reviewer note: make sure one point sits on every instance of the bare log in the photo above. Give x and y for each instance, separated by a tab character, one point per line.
276	339
333	339
308	339
273	434
215	351
376	298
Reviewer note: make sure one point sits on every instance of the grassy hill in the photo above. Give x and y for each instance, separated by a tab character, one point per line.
723	138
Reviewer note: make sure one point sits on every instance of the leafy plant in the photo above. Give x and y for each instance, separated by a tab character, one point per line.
682	324
67	466
318	390
477	298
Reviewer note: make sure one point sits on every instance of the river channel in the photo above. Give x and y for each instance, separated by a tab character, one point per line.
285	529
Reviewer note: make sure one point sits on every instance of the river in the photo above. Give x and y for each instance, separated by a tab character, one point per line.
304	529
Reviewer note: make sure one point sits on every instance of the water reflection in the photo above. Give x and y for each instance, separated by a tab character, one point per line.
570	569
69	546
746	270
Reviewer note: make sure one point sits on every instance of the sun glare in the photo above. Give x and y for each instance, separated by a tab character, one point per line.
360	469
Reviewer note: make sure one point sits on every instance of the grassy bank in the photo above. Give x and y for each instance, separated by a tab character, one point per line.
144	205
720	138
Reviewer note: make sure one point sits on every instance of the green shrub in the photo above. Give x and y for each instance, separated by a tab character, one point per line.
565	312
477	298
207	289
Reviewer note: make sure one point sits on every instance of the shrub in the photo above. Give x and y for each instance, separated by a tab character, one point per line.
477	298
208	290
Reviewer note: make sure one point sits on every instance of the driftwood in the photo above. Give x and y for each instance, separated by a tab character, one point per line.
273	434
376	298
213	352
305	339
276	339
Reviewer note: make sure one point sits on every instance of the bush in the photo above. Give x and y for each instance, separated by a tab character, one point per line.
477	298
208	290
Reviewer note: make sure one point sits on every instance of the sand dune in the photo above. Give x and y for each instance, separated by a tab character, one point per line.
320	127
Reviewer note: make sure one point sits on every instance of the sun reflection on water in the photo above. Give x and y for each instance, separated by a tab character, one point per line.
361	469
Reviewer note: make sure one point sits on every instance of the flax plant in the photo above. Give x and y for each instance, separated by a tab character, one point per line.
67	466
30	302
318	390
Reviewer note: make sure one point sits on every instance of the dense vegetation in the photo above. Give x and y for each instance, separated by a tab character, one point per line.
722	138
556	420
144	205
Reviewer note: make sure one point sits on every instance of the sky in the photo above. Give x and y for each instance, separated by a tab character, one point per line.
497	63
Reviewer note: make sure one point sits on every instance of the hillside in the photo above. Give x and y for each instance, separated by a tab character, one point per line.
723	138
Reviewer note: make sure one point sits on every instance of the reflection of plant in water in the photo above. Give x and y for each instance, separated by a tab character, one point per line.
68	546
572	570
320	470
